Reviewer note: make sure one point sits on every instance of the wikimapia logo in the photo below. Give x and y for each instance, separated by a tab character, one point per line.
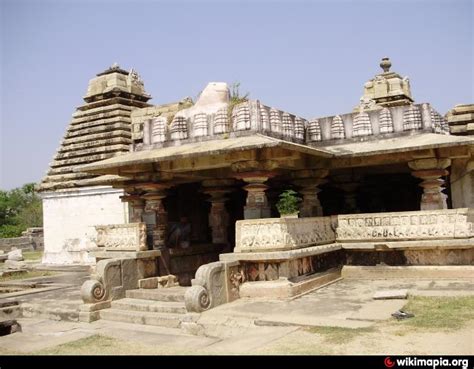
426	362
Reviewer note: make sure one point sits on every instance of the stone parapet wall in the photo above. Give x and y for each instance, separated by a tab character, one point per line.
282	233
154	128
140	116
122	237
380	121
32	239
261	235
6	244
404	226
159	127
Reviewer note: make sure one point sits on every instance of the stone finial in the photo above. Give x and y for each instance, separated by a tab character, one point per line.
386	89
115	66
385	64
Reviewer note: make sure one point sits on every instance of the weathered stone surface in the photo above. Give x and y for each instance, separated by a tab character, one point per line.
15	264
6	244
390	294
16	255
282	233
120	237
440	257
211	286
435	224
158	282
109	100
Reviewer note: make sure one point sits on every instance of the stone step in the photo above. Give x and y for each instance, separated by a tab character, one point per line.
141	317
160	294
149	306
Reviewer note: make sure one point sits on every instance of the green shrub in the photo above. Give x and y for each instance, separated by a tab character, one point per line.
288	203
11	230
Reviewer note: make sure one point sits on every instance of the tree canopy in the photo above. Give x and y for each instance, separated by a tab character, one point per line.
20	209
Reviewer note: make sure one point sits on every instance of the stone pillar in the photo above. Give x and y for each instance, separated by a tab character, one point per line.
430	172
155	193
257	205
137	207
310	206
309	180
218	215
154	203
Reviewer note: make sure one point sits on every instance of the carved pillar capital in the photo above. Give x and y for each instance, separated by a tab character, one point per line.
431	171
310	206
430	163
257	203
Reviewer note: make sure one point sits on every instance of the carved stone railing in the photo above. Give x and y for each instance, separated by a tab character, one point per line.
374	122
215	284
273	234
122	237
249	116
404	226
122	262
252	117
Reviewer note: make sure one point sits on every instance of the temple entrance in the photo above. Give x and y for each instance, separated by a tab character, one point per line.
187	204
190	241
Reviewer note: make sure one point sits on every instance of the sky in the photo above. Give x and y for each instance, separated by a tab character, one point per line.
310	58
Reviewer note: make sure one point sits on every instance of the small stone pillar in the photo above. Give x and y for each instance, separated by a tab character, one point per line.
137	207
257	205
309	180
218	215
430	172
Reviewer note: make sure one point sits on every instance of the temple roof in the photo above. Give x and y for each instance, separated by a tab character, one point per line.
194	150
410	142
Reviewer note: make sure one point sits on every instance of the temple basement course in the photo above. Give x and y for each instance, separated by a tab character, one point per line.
174	205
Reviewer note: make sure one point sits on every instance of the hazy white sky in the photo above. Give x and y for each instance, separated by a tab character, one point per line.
306	57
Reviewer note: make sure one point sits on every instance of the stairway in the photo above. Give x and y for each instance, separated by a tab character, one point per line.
160	307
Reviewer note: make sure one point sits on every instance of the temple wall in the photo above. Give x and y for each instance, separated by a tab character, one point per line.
69	220
462	183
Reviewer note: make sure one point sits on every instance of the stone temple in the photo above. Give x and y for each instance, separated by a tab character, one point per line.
184	193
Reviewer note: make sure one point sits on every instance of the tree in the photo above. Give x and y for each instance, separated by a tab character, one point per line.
20	209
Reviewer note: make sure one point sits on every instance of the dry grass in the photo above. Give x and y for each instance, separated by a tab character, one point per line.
339	335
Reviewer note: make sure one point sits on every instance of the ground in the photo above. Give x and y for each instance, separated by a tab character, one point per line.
341	318
413	337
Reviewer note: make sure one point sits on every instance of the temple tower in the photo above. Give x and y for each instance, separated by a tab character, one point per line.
74	202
